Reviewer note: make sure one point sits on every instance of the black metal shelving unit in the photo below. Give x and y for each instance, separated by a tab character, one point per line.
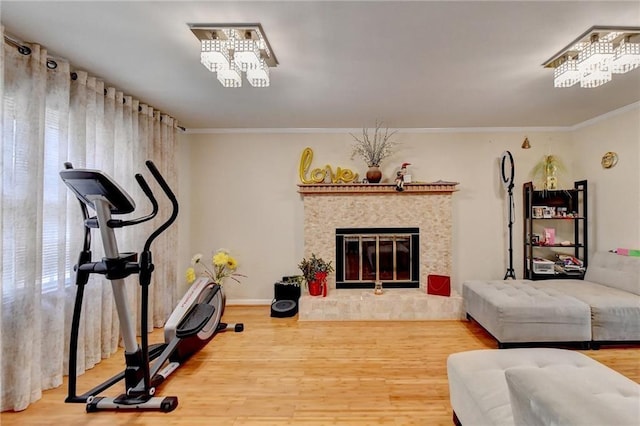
569	220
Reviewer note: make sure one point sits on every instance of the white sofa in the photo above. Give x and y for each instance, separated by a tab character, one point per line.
539	386
601	309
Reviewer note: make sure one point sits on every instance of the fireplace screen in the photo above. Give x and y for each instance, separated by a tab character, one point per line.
366	255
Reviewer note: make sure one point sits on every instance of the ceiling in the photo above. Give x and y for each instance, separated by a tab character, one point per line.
414	64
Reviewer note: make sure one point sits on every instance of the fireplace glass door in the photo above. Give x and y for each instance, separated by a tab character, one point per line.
364	256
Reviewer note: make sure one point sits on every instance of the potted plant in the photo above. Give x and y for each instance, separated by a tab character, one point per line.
315	271
547	169
373	149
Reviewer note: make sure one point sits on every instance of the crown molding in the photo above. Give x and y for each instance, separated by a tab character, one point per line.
606	116
322	130
354	130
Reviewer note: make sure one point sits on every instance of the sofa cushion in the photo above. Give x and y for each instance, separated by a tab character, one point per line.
613	270
477	384
590	394
615	314
515	311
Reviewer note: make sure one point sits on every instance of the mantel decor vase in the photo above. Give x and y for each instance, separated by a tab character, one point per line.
374	175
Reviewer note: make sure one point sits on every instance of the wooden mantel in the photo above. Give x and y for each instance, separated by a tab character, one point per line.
439	187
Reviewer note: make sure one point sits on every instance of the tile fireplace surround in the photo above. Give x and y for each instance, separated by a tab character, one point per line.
426	206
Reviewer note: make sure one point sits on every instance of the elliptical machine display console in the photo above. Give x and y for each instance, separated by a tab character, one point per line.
194	322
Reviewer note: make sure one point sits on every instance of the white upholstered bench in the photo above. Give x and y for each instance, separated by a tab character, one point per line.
604	308
538	386
516	311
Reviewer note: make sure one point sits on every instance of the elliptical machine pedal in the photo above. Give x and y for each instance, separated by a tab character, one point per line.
198	317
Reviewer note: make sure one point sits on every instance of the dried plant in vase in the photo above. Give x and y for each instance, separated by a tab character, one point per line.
373	149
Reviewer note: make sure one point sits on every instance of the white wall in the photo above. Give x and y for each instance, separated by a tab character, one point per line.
243	195
239	191
614	194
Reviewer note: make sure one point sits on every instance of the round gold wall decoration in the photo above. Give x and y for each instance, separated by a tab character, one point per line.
609	160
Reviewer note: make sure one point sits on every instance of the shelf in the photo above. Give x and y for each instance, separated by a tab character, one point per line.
438	187
559	218
554	245
555	205
579	276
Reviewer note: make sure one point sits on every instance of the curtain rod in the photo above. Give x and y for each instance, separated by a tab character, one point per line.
52	64
22	48
26	50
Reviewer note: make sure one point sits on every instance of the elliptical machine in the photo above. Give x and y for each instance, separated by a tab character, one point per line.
194	322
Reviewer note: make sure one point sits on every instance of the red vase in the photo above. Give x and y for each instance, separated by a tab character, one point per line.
318	286
315	288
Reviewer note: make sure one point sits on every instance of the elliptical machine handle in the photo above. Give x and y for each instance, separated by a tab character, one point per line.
117	223
170	195
146	268
154	203
164	185
147	191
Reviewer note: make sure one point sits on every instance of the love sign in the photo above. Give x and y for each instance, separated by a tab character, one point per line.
319	175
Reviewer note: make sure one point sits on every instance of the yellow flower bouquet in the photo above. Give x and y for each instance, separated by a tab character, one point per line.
223	266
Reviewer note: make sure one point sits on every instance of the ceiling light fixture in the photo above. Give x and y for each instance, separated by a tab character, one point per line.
230	49
595	56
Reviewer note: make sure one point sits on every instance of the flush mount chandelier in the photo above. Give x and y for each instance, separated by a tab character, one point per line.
595	56
231	49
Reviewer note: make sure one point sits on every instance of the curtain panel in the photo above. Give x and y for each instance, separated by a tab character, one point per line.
51	115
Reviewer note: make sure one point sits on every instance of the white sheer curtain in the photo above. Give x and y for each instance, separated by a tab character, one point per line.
49	116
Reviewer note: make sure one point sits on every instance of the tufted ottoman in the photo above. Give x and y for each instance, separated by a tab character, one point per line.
573	395
548	386
516	312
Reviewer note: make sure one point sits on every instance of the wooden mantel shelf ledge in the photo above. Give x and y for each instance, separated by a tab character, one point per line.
378	188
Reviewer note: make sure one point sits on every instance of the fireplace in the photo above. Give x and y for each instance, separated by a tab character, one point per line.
378	233
367	255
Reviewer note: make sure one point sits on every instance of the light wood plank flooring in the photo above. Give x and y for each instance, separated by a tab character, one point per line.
285	372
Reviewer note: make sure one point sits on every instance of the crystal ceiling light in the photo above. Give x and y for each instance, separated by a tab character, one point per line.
626	57
259	76
245	53
230	49
229	75
595	77
595	54
594	63
593	57
566	74
214	54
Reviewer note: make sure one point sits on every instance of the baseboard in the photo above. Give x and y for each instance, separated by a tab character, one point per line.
247	302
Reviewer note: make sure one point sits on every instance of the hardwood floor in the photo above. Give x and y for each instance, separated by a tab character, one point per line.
285	372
